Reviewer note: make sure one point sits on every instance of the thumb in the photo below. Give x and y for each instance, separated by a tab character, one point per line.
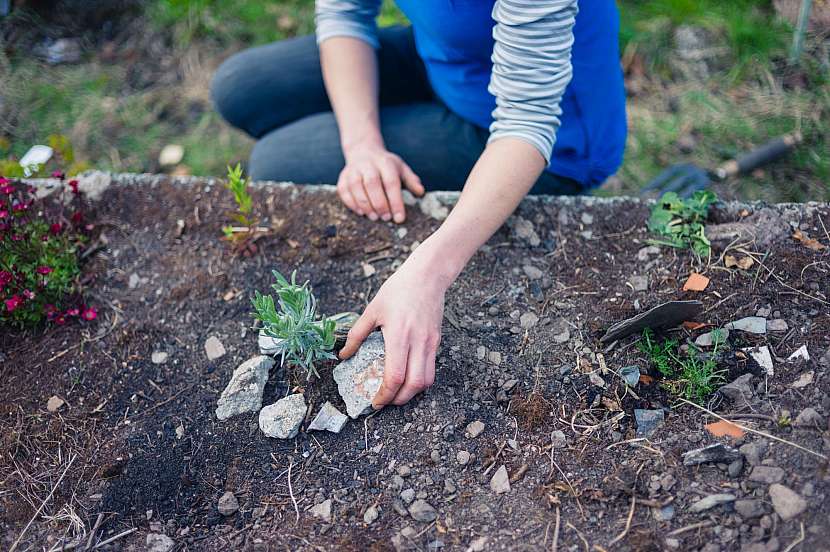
359	332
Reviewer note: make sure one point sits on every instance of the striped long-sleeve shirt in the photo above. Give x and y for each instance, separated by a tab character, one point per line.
506	65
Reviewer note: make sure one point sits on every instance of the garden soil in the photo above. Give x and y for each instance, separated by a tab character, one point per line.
136	447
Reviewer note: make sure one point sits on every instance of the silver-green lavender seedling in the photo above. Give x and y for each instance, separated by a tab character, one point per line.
301	338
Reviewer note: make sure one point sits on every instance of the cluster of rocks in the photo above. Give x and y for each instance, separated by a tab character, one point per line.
358	380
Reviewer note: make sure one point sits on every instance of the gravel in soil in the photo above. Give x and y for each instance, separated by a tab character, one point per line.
137	438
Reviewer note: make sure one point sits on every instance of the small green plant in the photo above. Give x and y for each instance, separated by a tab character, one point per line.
238	185
680	222
301	337
693	377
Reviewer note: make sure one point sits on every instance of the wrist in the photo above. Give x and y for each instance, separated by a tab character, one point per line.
437	262
361	142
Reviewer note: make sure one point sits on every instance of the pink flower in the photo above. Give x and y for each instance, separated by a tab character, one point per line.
4	181
74	185
7	189
60	320
74	311
57	174
5	277
51	311
44	270
28	294
89	313
13	303
20	207
77	217
54	228
4	214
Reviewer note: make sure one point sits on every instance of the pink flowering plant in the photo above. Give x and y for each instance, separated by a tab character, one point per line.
39	263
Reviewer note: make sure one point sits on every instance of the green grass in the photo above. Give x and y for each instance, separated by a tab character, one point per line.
693	376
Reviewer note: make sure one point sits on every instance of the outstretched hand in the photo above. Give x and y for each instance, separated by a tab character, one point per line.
370	184
408	308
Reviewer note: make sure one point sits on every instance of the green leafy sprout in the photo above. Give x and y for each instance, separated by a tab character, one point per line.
301	338
680	222
694	377
238	185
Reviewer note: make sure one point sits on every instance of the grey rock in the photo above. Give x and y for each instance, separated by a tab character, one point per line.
735	468
408	495
630	375
244	392
809	417
558	439
740	391
804	380
754	452
370	515
421	510
475	428
643	253
766	474
214	348
825	359
764	227
561	331
524	230
717	452
228	504
397	482
777	325
710	502
462	457
359	378
282	419
596	380
322	510
648	421
159	357
787	503
159	542
432	207
500	482
328	419
708	339
666	513
494	357
477	544
528	320
639	283
750	324
749	508
268	345
62	50
532	272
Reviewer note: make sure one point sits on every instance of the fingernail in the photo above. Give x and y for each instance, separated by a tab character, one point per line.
386	217
373	217
399	217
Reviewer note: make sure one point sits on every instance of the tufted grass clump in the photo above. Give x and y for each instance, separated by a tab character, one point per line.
302	338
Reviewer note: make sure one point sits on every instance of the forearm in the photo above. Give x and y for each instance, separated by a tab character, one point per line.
351	77
503	175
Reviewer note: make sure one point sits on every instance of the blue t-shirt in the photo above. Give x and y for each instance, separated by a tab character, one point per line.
454	38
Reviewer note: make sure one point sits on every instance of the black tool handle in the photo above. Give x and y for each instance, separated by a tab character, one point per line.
772	150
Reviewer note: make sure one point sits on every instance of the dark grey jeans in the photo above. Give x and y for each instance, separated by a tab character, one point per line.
275	93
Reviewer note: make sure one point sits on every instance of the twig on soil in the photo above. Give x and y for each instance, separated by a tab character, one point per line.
826	233
800	539
719	303
782	282
569	525
749	429
622	535
291	493
42	504
94	530
555	546
692	527
752	416
568	481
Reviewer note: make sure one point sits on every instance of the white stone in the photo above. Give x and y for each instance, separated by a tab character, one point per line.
323	510
528	320
328	419
532	272
762	356
268	345
158	542
800	353
475	428
750	324
500	483
431	206
787	503
804	380
282	419
370	515
54	403
214	348
244	391
708	339
158	357
228	504
359	378
462	457
171	154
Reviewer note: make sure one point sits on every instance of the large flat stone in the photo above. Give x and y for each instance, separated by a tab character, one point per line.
359	378
244	392
282	419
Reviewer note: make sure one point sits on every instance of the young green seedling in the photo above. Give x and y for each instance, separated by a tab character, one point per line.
680	222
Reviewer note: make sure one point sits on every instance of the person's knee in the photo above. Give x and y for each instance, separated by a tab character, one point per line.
227	90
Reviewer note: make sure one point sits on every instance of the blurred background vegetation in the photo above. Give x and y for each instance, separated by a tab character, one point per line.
706	80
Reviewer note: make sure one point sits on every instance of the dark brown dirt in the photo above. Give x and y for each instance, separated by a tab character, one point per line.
139	442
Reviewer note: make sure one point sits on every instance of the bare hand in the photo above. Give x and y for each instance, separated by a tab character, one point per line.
370	183
409	308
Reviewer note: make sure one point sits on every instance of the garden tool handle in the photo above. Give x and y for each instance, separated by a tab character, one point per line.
760	156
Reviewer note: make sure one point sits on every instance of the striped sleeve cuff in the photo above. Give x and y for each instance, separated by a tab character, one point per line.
531	68
350	18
